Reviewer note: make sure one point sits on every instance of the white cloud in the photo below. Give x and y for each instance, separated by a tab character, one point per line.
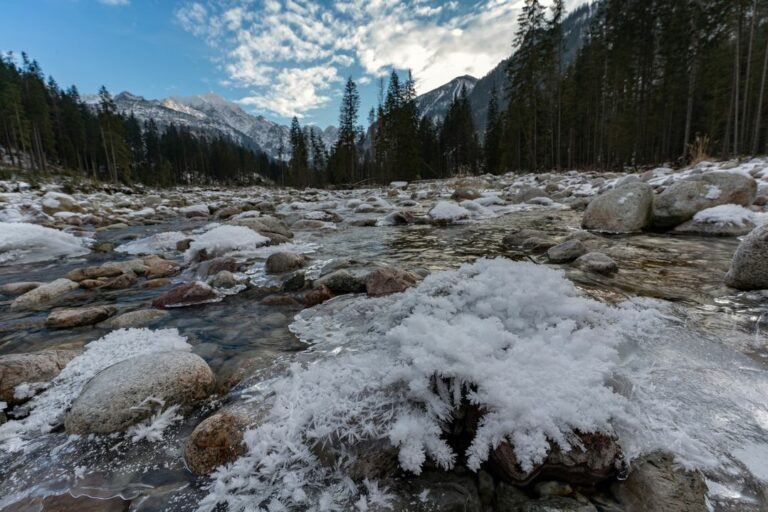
115	2
289	51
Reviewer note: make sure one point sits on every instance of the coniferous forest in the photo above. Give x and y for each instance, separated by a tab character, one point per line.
653	81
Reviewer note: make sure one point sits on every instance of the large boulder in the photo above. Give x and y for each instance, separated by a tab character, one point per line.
32	367
118	397
682	200
749	266
625	209
214	442
43	295
656	483
78	317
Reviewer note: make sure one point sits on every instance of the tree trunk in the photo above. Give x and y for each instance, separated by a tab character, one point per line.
759	113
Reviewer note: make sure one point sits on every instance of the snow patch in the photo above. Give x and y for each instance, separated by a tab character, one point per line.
447	211
29	243
224	239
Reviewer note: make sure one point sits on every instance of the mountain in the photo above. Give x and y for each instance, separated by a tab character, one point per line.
211	114
435	103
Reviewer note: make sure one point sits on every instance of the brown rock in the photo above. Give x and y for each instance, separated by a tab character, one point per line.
227	212
80	274
187	294
19	288
121	282
280	300
156	283
77	317
597	460
317	296
43	295
214	442
387	280
159	267
42	366
461	194
183	245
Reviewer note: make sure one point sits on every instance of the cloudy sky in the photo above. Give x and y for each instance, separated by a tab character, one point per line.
279	58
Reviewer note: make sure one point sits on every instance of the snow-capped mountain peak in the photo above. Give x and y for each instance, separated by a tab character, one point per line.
435	103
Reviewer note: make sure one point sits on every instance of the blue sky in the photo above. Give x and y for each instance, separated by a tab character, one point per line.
278	58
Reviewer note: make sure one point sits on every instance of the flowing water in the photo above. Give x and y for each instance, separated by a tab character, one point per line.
709	381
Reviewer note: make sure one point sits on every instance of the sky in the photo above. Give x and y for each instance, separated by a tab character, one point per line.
278	58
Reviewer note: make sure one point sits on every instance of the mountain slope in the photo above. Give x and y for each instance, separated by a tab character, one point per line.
211	114
575	26
435	103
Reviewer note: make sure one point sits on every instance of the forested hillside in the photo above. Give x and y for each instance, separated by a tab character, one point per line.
46	128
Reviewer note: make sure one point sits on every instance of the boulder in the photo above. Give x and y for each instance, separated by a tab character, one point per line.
216	265
78	317
388	280
215	442
43	295
120	282
224	279
117	397
140	318
81	274
566	252
682	200
280	262
515	239
538	245
749	266
597	460
625	209
597	262
656	483
462	194
55	202
31	367
227	212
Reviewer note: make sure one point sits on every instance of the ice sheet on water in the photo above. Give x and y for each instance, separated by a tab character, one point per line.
484	329
47	409
29	243
159	242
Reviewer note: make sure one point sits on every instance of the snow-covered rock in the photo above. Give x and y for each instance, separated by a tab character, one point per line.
29	243
749	267
624	209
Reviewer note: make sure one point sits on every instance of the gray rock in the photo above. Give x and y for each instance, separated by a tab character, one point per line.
224	279
682	200
116	398
567	251
280	262
342	281
538	245
140	318
597	262
42	366
749	266
654	483
516	237
510	498
44	295
625	209
78	317
19	288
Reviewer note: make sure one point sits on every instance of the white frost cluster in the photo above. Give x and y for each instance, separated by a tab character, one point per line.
224	239
447	211
29	243
516	338
47	409
727	214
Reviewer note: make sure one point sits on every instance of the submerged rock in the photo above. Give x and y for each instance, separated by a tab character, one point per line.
214	442
188	294
341	282
625	209
31	367
655	483
130	391
749	266
388	280
140	318
77	317
44	295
